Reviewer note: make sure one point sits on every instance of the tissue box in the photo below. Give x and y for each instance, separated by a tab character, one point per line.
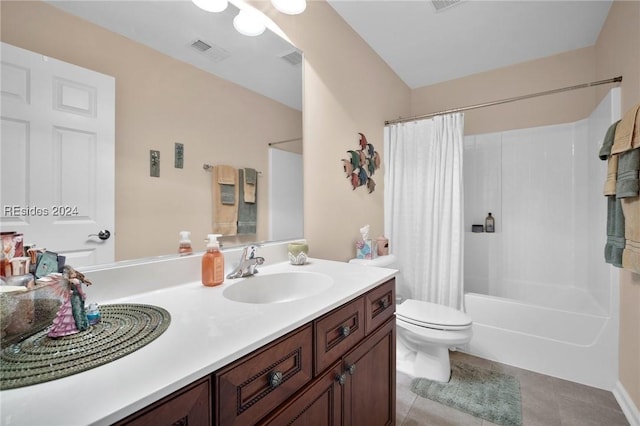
365	249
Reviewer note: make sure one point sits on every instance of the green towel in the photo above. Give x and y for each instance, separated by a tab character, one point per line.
615	232
251	176
627	184
227	194
247	212
607	144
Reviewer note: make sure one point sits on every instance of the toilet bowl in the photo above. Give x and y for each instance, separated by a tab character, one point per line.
425	332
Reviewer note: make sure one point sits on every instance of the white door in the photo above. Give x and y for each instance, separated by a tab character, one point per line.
57	155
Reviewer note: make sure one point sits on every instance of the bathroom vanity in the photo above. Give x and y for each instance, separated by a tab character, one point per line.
223	362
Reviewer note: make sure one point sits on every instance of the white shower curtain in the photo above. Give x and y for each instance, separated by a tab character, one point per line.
423	207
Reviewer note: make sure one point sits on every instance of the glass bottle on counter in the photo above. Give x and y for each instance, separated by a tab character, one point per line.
489	224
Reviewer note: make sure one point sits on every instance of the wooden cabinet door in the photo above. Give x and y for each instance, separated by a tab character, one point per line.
250	388
320	404
189	406
337	332
370	389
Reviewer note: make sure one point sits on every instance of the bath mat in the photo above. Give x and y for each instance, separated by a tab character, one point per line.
483	393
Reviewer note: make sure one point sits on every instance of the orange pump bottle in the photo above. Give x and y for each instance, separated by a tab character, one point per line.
213	263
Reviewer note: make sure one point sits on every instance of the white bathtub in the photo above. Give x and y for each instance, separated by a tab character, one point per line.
580	347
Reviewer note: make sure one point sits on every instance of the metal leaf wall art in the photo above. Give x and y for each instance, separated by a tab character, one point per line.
362	164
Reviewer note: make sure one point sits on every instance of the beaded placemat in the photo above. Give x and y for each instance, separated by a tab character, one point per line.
123	329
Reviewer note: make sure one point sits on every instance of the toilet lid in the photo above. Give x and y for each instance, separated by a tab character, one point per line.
432	315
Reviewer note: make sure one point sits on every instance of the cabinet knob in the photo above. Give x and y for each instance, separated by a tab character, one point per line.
351	369
275	379
345	330
384	303
341	378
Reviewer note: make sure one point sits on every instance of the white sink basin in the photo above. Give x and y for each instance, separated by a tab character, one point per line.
278	287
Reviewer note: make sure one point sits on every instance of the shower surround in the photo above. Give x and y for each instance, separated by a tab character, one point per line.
539	292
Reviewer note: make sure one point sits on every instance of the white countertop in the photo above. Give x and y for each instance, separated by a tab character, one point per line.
207	332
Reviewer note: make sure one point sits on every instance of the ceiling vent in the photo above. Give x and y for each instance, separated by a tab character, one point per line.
444	4
210	50
294	57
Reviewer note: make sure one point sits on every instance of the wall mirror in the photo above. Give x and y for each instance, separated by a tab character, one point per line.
182	75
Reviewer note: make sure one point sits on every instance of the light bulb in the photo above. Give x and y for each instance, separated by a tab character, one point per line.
249	23
211	5
290	7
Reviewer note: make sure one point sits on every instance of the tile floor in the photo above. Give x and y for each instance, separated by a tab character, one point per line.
546	401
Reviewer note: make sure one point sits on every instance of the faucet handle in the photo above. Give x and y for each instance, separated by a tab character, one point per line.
251	251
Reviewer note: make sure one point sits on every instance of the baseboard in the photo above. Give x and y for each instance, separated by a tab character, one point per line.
626	403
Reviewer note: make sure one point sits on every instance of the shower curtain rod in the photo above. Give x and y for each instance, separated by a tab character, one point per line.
285	141
504	101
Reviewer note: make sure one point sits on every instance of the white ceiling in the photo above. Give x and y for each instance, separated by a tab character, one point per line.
172	26
424	46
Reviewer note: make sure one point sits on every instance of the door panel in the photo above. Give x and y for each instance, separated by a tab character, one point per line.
57	177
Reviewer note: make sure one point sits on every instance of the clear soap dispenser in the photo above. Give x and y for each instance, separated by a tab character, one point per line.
185	243
213	262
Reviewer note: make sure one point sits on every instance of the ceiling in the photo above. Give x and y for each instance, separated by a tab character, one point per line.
424	46
171	27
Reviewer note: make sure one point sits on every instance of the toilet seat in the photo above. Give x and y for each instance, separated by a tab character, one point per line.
432	315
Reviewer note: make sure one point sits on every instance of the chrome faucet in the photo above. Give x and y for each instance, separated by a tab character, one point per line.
248	263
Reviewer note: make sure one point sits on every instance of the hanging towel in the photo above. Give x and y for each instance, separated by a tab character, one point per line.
607	144
631	205
612	175
225	214
247	212
631	254
612	160
614	247
628	132
627	184
250	185
227	177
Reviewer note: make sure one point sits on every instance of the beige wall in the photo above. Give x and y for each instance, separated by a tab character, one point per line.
618	52
348	90
160	101
562	70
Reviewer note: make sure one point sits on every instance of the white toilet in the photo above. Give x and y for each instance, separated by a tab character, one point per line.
425	332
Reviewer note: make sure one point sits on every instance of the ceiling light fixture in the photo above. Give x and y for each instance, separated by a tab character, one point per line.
211	5
249	23
290	7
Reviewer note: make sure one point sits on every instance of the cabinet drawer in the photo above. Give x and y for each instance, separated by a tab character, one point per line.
250	388
380	304
337	332
320	403
190	405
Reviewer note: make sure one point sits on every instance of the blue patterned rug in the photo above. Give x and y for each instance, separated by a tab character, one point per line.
483	393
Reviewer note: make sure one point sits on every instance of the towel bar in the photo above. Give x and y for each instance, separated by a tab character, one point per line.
208	167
